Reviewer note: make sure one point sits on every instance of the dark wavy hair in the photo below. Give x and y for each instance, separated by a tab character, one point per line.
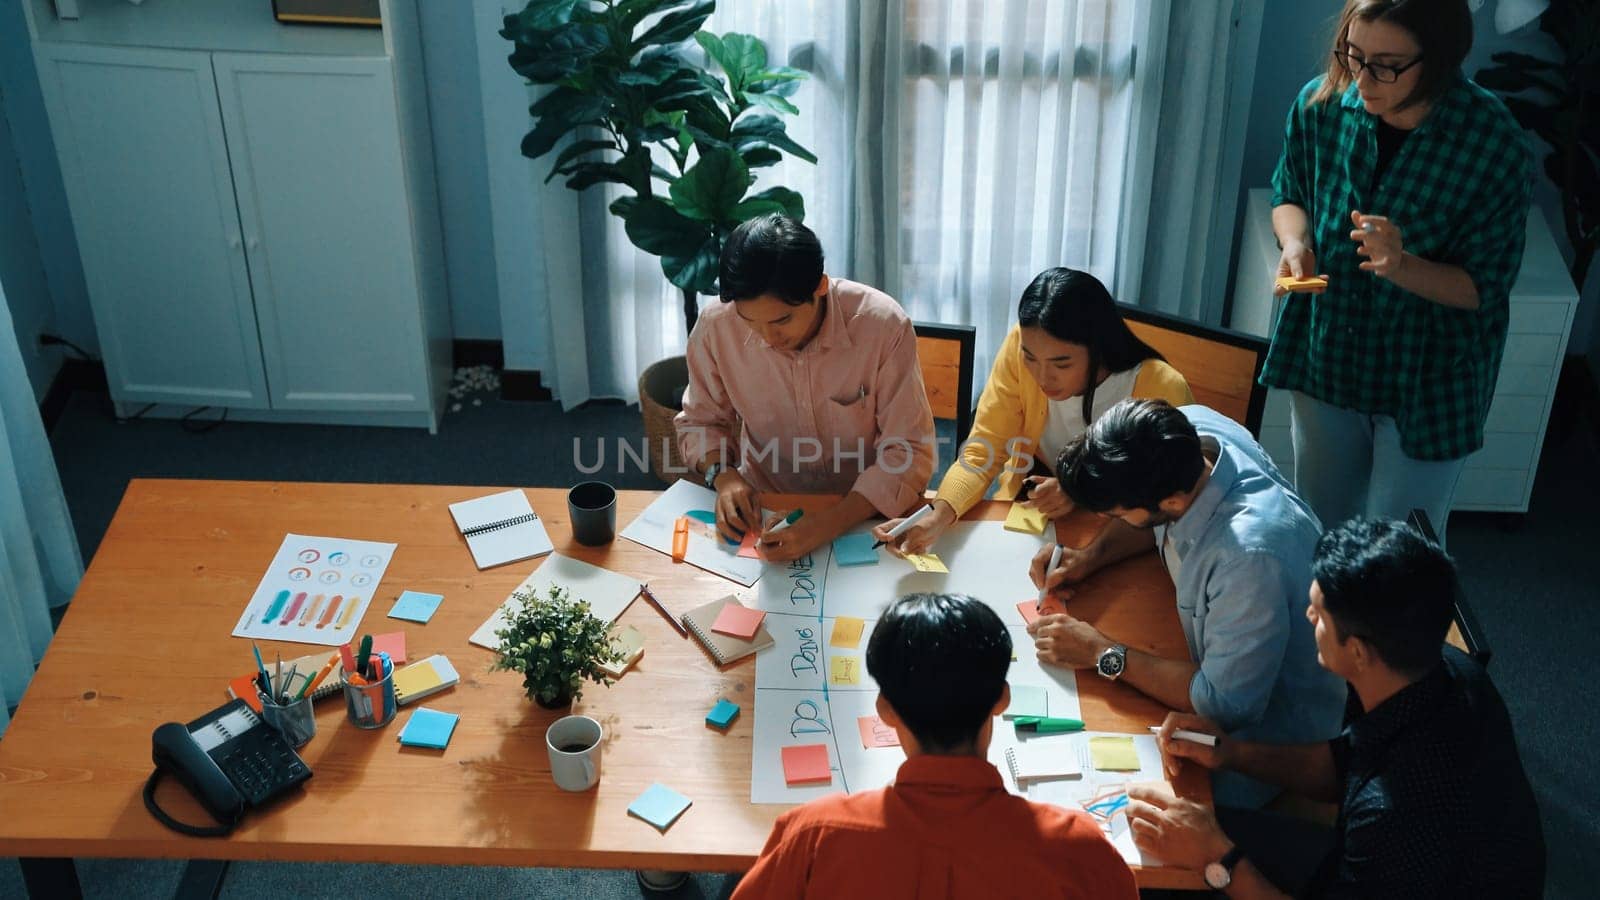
1383	582
1136	455
771	254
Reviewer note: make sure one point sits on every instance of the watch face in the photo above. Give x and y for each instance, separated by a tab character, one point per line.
1111	663
1218	876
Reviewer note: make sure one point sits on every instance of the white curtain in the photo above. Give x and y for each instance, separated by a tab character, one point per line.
39	560
964	145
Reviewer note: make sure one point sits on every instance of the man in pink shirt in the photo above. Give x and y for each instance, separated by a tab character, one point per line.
823	373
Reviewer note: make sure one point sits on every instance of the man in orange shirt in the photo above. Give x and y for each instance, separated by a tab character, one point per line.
946	827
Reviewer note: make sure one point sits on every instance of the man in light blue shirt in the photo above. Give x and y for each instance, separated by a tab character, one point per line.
1238	544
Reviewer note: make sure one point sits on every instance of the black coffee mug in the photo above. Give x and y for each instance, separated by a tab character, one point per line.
593	508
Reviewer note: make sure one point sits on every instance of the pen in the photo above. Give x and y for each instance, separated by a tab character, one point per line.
311	686
645	590
1047	725
283	689
1044	590
266	681
279	682
783	523
1193	737
900	529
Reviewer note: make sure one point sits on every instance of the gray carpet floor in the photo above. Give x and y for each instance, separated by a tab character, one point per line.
1532	587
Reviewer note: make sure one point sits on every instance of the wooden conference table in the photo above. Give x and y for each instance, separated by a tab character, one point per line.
146	640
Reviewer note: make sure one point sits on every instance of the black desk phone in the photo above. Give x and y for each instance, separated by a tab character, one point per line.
229	759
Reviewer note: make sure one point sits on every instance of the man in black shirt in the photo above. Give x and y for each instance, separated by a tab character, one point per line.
1433	801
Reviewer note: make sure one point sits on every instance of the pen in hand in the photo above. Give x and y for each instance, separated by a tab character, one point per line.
905	526
1044	586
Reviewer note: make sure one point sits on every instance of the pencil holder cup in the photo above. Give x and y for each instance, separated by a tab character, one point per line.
370	705
294	720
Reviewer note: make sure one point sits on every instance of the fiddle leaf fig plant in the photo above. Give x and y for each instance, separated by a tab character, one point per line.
647	110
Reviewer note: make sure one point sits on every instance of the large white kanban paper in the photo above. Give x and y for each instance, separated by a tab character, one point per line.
797	701
653	529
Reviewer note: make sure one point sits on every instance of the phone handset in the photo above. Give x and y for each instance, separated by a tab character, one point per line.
174	750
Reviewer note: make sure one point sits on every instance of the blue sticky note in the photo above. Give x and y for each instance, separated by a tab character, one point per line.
429	728
723	714
416	607
855	549
660	806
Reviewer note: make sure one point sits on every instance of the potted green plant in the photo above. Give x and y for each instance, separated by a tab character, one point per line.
555	643
647	111
1558	99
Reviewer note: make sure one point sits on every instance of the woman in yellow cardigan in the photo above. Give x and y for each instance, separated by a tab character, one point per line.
1070	358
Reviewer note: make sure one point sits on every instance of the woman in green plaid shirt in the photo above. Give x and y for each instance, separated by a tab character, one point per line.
1407	185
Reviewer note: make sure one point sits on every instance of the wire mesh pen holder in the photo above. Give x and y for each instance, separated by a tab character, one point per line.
294	719
370	705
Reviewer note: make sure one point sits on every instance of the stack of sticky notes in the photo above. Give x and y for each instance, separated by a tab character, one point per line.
629	641
1025	519
429	728
855	549
1311	284
927	562
393	643
416	607
1027	700
806	764
659	805
738	620
747	547
1114	754
723	714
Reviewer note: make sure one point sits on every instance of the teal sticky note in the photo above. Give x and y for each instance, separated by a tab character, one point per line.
429	728
660	806
1027	700
416	607
723	714
855	549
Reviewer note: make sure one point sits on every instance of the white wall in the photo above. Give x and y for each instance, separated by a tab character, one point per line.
1296	38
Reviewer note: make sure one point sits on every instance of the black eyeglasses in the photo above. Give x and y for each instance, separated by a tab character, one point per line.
1380	72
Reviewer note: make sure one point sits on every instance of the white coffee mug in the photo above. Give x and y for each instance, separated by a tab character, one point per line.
574	745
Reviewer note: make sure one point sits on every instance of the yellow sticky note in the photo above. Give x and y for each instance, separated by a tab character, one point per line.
927	562
1114	754
846	632
845	670
1025	520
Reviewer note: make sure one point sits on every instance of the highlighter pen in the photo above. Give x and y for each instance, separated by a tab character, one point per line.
680	539
1046	724
1044	590
1184	734
905	526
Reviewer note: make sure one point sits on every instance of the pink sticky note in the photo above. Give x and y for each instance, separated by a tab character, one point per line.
747	547
393	643
806	764
1031	609
738	620
876	734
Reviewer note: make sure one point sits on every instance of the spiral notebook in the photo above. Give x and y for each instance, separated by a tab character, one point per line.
724	648
501	528
1042	760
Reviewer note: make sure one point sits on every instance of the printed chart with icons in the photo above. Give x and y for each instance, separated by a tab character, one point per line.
316	590
812	687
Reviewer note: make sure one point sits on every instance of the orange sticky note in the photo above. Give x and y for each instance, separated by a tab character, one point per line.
807	764
874	733
393	643
738	620
1032	609
747	547
1311	284
846	632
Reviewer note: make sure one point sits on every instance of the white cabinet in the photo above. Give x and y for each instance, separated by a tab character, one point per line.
259	230
1499	476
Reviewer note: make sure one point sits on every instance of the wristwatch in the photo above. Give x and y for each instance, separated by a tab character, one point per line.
1112	661
1220	874
712	471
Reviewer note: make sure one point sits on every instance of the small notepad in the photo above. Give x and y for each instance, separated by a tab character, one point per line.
806	764
927	562
422	678
723	648
1027	700
738	620
429	728
414	606
1025	520
1041	760
660	806
846	632
501	528
1114	754
855	549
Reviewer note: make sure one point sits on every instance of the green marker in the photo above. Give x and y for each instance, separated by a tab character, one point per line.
1046	725
785	522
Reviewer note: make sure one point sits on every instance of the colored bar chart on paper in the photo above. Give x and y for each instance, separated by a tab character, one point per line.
315	591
